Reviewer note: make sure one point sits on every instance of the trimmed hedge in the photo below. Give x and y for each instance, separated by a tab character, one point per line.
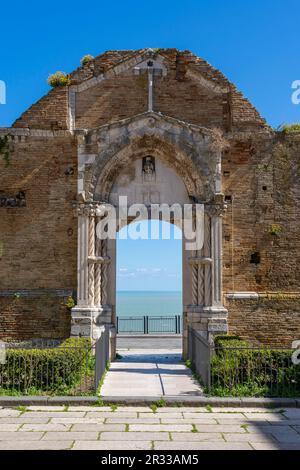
49	369
239	369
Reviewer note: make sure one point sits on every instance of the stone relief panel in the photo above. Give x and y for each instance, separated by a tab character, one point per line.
149	181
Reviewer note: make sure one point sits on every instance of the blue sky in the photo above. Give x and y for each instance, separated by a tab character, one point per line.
254	43
150	264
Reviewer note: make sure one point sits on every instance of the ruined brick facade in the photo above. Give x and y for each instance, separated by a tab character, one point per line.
39	187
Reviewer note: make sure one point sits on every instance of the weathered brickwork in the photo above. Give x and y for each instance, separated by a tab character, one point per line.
260	179
38	242
39	316
51	112
271	319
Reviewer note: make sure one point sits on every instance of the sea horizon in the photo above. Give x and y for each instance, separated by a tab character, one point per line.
149	302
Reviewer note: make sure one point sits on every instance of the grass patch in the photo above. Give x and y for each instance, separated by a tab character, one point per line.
153	407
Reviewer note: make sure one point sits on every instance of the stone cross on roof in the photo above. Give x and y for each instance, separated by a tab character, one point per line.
154	67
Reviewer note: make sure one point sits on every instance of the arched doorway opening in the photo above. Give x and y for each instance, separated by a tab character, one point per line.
149	302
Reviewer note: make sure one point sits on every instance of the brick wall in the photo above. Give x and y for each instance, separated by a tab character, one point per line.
262	178
272	319
180	94
40	316
38	242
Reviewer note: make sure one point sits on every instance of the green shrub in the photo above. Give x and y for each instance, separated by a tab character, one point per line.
238	369
229	341
275	229
58	79
55	369
86	59
288	128
69	303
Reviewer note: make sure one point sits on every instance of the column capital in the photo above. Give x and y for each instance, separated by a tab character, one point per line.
217	207
90	209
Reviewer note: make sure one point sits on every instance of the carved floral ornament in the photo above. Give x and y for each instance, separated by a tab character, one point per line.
190	150
215	210
91	209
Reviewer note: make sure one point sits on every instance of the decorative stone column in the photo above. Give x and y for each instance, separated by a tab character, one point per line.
214	311
91	310
206	312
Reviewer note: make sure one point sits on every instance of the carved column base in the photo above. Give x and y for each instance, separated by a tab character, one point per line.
209	321
86	320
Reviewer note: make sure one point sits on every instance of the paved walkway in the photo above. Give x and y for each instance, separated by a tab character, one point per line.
154	374
178	428
152	342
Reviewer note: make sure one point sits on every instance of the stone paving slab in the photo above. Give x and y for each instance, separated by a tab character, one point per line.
78	420
8	412
172	414
133	420
169	428
294	414
161	427
188	445
108	445
46	408
45	427
274	446
134	436
90	408
79	436
197	437
35	445
197	420
5	427
53	414
228	428
246	437
12	436
109	414
232	416
98	427
21	419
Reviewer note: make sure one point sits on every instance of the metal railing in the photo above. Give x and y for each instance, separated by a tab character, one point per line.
244	371
149	324
72	367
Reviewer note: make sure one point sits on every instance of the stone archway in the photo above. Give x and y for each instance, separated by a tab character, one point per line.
185	156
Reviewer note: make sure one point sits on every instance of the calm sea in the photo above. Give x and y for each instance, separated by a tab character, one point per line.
139	303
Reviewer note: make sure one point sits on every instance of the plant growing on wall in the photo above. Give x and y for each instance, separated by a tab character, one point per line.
58	79
289	128
69	303
275	230
4	149
86	59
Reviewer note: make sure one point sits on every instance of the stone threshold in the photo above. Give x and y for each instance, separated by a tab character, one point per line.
140	401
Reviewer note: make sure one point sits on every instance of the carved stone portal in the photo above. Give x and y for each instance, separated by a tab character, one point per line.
143	155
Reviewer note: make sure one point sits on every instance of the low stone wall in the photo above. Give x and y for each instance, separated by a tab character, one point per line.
269	319
38	315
